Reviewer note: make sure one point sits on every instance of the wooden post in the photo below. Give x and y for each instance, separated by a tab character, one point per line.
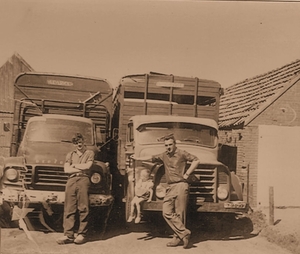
271	205
248	184
146	93
171	96
196	97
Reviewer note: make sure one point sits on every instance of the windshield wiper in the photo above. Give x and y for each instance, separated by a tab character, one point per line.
192	140
66	141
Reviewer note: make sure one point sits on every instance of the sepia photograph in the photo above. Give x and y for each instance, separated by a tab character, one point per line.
149	126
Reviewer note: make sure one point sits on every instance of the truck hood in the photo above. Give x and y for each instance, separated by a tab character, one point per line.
45	152
205	155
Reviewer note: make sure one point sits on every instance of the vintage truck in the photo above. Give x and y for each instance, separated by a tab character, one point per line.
149	106
49	109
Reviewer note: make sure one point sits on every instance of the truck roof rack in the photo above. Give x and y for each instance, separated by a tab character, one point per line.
36	107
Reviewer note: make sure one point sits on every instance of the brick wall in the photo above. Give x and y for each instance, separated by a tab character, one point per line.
246	141
285	111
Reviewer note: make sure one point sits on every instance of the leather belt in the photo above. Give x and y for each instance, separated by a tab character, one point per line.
78	174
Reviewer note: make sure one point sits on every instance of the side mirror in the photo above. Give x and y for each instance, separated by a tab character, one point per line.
99	135
115	134
6	127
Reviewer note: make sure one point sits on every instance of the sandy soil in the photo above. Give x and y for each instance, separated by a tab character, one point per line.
210	236
284	232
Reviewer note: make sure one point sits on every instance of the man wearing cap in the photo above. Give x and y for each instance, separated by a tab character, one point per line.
77	165
175	201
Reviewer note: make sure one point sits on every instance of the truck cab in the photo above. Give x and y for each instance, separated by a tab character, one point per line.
210	184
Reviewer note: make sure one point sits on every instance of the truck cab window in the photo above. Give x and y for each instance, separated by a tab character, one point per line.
49	130
196	134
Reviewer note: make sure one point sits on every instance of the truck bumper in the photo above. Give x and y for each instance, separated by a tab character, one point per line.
32	197
229	207
10	195
59	198
51	197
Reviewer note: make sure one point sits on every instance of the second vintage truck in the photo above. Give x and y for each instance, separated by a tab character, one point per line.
149	106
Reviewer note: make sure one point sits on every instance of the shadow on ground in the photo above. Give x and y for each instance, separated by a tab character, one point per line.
204	226
225	227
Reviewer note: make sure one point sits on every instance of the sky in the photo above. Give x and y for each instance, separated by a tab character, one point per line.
226	41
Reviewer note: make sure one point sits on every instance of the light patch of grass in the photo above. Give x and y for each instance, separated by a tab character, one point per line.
289	241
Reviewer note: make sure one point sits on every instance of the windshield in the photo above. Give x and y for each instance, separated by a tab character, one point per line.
58	130
184	133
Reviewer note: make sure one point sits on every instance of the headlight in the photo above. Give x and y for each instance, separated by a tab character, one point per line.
222	193
96	178
160	191
11	174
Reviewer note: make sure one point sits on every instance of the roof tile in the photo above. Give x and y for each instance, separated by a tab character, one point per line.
246	99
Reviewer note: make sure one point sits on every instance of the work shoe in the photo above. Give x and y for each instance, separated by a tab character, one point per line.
65	240
131	218
186	240
175	242
137	219
80	239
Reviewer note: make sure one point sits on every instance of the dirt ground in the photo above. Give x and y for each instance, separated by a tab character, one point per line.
286	229
210	236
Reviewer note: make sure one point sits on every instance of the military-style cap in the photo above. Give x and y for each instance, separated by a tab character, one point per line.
166	137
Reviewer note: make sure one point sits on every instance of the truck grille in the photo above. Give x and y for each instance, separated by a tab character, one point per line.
204	190
45	178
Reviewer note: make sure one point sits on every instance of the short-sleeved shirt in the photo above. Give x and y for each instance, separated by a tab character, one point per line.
175	164
75	158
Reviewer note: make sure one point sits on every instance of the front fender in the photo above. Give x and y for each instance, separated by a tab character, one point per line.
1	166
236	185
17	163
100	166
13	162
104	186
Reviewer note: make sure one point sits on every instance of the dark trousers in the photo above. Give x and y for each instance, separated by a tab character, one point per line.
76	199
174	208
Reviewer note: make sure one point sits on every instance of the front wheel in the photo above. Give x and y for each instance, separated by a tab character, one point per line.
6	212
51	217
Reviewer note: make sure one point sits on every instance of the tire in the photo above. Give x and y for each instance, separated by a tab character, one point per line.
53	221
5	215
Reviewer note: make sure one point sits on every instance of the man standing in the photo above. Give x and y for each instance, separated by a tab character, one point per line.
175	201
77	165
